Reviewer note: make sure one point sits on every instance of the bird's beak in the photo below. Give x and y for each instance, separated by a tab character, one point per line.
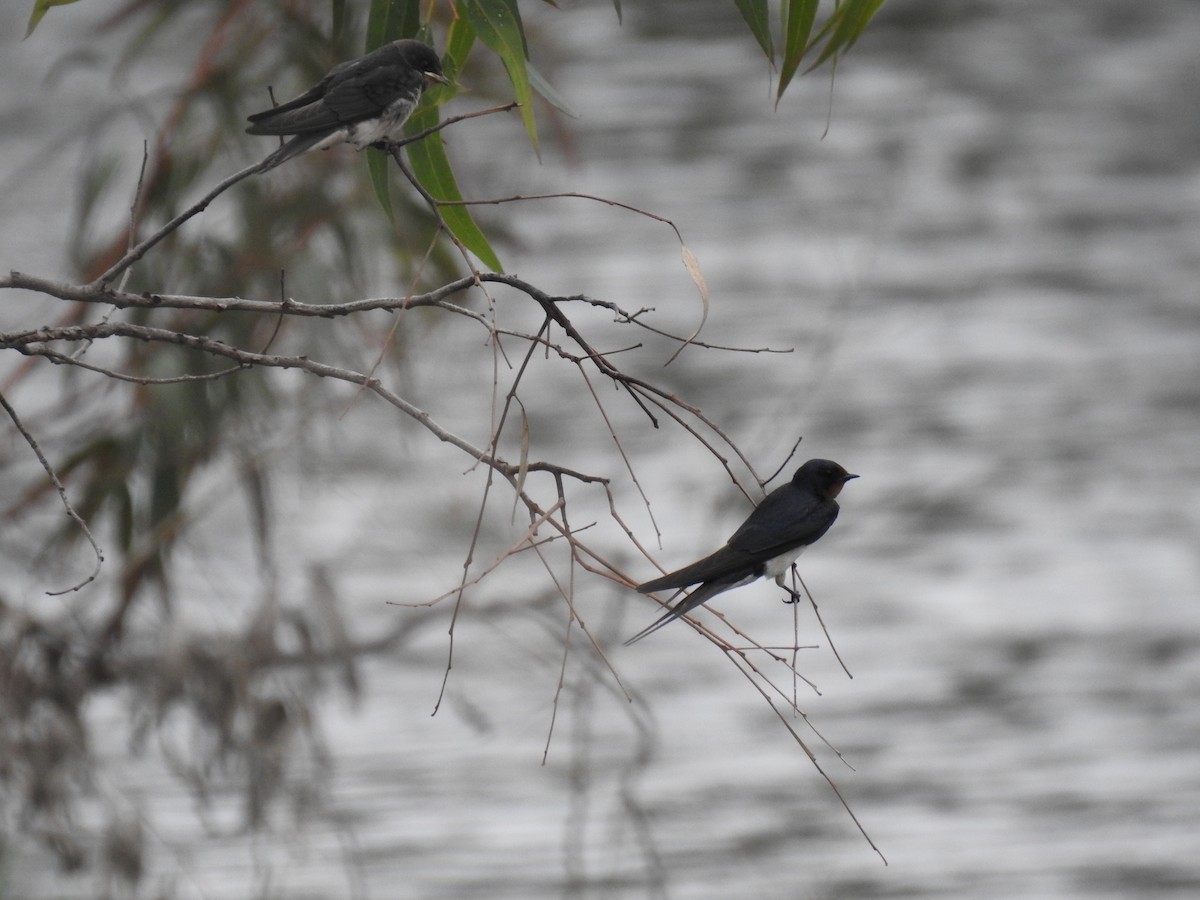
836	487
434	76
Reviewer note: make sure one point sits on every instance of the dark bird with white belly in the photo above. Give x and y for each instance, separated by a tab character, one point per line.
778	530
364	102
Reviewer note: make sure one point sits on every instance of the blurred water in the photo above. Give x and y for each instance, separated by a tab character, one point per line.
988	268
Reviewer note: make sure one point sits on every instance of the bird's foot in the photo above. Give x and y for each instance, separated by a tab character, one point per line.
793	596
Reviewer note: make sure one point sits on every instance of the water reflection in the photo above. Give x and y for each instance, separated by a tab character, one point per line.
988	270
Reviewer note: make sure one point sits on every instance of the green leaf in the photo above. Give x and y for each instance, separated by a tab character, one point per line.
798	17
389	20
498	25
338	15
40	8
843	27
459	42
431	166
755	14
378	169
549	93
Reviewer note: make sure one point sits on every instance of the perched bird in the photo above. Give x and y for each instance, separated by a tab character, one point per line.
789	519
363	101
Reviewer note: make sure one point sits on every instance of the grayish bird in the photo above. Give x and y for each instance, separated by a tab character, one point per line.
789	519
364	101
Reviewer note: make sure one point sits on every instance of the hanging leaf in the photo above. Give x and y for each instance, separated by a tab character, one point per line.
549	93
378	167
798	18
692	264
40	8
338	24
843	27
431	167
755	14
459	42
498	25
390	20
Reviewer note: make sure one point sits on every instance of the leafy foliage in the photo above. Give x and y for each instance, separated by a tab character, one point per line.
840	30
497	24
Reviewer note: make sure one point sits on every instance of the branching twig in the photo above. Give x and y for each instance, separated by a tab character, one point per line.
556	336
31	343
816	764
138	251
690	263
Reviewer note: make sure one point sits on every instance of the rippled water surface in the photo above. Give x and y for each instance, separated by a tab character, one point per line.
988	269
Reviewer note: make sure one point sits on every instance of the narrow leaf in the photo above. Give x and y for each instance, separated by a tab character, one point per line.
844	26
378	168
431	166
338	15
40	8
498	25
798	17
549	93
389	20
755	14
693	269
459	42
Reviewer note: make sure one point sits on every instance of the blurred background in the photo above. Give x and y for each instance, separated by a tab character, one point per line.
981	241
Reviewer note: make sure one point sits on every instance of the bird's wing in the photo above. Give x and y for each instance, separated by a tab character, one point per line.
294	147
369	93
725	561
304	120
705	592
785	519
353	91
309	96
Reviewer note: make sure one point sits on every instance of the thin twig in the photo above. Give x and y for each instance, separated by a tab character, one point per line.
141	249
786	460
31	343
813	600
816	764
135	206
62	493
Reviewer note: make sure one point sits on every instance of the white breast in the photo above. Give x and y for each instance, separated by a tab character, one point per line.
370	131
386	127
777	565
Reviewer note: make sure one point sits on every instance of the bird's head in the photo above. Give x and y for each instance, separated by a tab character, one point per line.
424	59
824	476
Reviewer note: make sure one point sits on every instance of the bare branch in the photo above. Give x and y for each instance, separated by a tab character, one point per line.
62	493
786	460
141	249
30	343
817	612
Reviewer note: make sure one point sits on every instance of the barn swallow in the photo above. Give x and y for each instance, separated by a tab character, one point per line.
789	519
364	101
